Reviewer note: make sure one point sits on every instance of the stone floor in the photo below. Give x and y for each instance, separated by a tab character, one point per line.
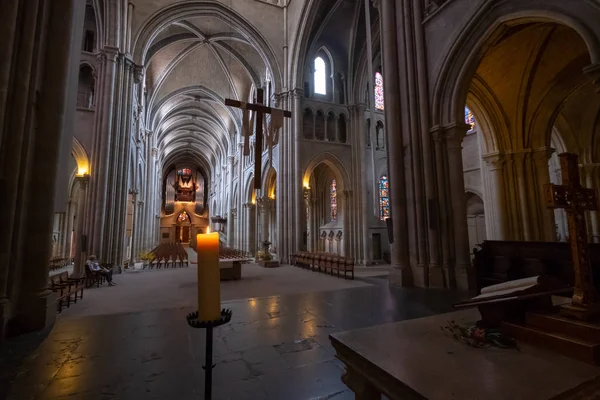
275	347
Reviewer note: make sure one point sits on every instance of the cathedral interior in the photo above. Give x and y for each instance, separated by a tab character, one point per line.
419	130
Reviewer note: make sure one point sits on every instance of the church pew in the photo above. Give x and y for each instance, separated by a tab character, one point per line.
324	262
67	289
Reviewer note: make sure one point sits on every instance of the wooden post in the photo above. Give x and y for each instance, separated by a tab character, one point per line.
576	200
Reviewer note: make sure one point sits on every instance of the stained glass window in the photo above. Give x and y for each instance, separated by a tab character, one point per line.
333	200
320	76
469	118
379	100
183	217
384	198
184	171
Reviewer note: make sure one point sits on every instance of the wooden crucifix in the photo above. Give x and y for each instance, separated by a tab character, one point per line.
260	109
576	200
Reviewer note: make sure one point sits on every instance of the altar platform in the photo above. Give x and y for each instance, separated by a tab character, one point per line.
416	359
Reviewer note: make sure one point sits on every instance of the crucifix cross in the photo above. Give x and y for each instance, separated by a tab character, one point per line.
576	200
260	109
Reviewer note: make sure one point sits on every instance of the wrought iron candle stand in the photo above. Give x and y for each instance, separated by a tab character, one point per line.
192	320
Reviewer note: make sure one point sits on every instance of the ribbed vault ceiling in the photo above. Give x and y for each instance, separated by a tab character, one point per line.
192	65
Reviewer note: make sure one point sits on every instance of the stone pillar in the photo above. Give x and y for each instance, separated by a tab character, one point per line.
295	240
401	275
547	224
313	239
80	253
230	226
347	211
520	159
444	206
498	212
250	227
151	197
46	53
70	217
463	271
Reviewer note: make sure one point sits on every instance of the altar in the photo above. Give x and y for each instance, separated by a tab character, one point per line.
415	359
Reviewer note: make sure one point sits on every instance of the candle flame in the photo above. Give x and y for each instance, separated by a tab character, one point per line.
208	229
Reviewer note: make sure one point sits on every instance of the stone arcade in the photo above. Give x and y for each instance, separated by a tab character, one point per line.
446	116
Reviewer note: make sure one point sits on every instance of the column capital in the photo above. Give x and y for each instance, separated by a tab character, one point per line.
234	212
231	159
297	93
589	168
593	71
377	4
347	194
495	160
249	206
154	151
83	179
108	53
543	154
138	73
455	134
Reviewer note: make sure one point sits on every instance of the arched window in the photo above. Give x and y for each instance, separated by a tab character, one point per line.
379	100
469	118
384	198
333	200
183	217
320	76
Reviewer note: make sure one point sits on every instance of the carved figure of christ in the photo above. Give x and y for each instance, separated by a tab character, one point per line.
576	200
260	109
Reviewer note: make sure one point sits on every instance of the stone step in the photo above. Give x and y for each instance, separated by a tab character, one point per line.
557	324
571	347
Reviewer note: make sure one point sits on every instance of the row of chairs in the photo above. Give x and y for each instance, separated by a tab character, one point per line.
168	255
231	253
324	262
59	262
67	289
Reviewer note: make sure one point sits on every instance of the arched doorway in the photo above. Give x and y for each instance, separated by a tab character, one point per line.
182	229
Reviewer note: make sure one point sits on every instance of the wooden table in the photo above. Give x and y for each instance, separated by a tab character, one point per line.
414	359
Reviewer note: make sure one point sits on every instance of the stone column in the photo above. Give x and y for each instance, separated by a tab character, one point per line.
295	240
230	226
80	253
70	216
401	274
464	273
547	224
347	211
498	212
444	206
54	54
250	241
314	224
151	197
523	198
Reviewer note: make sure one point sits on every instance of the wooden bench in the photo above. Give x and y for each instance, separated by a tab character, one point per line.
93	277
500	261
67	289
324	262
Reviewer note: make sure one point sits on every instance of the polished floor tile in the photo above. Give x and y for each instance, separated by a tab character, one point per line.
275	348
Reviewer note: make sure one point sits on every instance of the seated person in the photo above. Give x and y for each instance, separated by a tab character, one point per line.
93	265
